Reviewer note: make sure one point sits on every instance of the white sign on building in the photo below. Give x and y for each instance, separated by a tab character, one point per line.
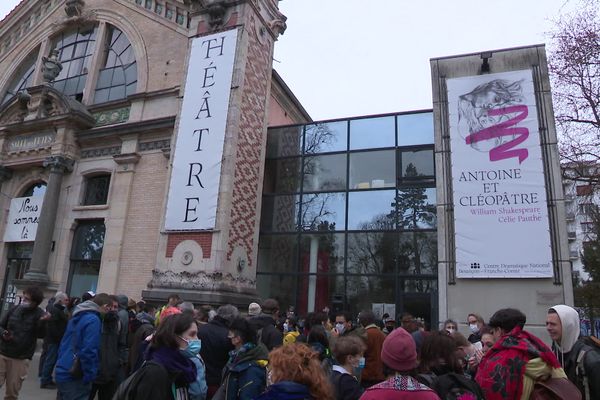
23	217
196	169
500	207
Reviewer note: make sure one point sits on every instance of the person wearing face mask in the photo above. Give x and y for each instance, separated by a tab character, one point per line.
476	325
19	330
245	375
450	326
81	342
106	382
373	367
344	327
55	329
168	371
198	389
348	352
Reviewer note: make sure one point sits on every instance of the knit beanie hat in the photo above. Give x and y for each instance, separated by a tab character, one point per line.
399	351
254	309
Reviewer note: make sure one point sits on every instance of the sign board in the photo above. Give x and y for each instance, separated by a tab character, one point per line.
29	142
500	208
23	217
196	169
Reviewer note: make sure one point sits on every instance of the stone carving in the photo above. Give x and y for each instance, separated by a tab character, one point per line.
101	152
74	8
60	164
216	13
278	26
187	258
200	280
51	66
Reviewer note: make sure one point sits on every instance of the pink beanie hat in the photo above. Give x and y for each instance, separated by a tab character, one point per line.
399	351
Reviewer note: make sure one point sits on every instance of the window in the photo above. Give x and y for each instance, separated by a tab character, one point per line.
96	190
587	227
86	254
415	129
75	52
370	133
22	79
349	217
326	137
373	169
588	208
37	189
324	173
117	78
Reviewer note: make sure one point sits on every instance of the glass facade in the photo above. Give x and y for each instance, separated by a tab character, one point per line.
349	216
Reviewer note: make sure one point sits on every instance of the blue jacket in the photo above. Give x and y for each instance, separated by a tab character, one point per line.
198	389
82	338
246	377
286	390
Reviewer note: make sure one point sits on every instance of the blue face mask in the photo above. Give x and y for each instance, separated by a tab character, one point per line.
361	363
193	346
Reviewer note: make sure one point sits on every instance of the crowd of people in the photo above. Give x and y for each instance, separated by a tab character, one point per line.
111	347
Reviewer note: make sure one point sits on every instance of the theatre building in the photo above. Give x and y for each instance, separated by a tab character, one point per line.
148	147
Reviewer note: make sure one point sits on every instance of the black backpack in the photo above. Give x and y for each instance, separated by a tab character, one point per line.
452	386
127	387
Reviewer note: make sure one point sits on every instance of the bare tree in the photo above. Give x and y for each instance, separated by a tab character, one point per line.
574	65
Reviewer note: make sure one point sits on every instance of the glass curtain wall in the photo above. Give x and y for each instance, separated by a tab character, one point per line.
349	216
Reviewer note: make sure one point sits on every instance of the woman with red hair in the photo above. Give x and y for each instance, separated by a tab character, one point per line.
295	373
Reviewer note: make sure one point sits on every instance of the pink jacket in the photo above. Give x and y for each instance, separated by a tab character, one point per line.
399	388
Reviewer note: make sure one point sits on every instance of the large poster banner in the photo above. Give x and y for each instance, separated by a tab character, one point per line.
500	208
196	170
23	216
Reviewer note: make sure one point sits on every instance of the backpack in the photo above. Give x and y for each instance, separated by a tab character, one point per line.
593	345
127	387
555	389
452	386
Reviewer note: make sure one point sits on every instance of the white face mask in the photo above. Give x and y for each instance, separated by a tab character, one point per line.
340	328
474	328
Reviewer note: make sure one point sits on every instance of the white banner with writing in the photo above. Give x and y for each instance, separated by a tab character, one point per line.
500	207
196	169
23	217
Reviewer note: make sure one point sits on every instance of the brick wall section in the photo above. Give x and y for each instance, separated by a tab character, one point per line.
204	239
250	142
142	230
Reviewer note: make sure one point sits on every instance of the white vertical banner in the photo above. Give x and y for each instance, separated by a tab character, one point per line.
196	169
500	207
23	218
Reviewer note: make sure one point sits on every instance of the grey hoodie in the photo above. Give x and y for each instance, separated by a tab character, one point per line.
87	305
569	319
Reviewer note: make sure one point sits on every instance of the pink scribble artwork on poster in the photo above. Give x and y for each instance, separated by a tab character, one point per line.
492	112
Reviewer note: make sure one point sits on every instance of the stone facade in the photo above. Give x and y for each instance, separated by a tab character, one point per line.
130	139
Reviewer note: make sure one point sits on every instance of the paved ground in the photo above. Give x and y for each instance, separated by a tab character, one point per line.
31	387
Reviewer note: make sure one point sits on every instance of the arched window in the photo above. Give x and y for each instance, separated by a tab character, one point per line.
118	73
37	189
75	52
22	78
86	255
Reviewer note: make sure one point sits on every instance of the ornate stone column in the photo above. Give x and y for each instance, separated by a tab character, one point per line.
38	271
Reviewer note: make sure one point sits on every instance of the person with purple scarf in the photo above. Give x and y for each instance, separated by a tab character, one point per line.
168	373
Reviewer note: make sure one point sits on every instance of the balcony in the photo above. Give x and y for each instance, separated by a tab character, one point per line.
572	235
573	254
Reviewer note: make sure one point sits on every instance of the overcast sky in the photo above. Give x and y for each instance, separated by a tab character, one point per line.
345	58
